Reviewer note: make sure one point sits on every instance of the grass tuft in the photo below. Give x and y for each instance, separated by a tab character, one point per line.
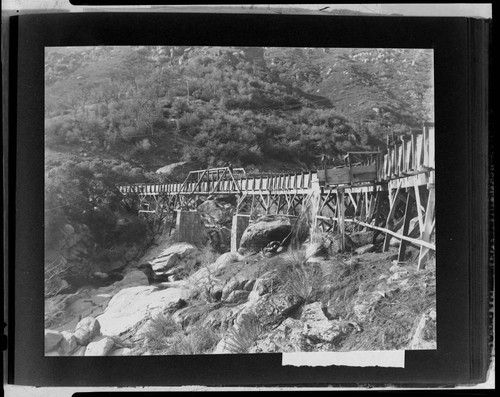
197	340
240	340
160	329
300	278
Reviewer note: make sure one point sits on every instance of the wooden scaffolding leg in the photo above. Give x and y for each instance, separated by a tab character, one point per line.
406	226
428	227
389	218
341	203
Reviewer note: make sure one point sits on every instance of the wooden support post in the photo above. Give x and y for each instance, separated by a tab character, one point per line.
419	209
389	219
340	195
428	227
406	226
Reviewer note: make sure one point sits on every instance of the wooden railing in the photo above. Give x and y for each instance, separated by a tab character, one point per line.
408	157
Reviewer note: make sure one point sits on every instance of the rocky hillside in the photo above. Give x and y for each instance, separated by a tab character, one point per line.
117	114
182	299
144	104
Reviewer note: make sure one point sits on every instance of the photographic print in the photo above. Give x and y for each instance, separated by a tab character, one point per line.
222	200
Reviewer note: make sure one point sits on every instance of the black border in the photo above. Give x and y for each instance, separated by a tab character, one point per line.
449	364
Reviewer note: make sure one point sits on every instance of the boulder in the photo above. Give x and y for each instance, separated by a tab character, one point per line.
237	296
365	249
68	343
212	212
132	306
80	352
270	308
360	239
262	232
232	285
191	314
419	340
312	332
122	351
165	263
284	339
101	346
180	255
86	330
221	318
219	238
314	250
52	339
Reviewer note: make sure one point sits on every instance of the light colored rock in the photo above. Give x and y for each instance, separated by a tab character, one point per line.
100	346
86	330
395	268
68	343
364	305
133	278
262	232
287	338
165	263
80	352
365	249
313	312
232	285
314	250
260	287
123	351
132	306
181	249
176	258
169	168
418	342
222	347
237	296
52	339
432	315
398	275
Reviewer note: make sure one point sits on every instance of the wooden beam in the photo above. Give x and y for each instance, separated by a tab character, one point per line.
340	201
415	241
389	218
406	226
419	208
428	227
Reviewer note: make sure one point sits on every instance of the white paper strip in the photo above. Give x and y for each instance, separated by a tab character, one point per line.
381	358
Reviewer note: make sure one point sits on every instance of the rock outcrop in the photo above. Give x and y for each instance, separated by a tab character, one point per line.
178	259
262	232
132	307
86	340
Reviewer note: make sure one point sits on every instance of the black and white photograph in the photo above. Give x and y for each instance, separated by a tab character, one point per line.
238	200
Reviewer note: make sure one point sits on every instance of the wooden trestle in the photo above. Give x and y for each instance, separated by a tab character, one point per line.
384	193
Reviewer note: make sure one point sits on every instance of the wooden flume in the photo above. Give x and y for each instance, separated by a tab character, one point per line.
382	192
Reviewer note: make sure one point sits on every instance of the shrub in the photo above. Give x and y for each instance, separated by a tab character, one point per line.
161	329
301	279
241	340
54	312
197	340
56	268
